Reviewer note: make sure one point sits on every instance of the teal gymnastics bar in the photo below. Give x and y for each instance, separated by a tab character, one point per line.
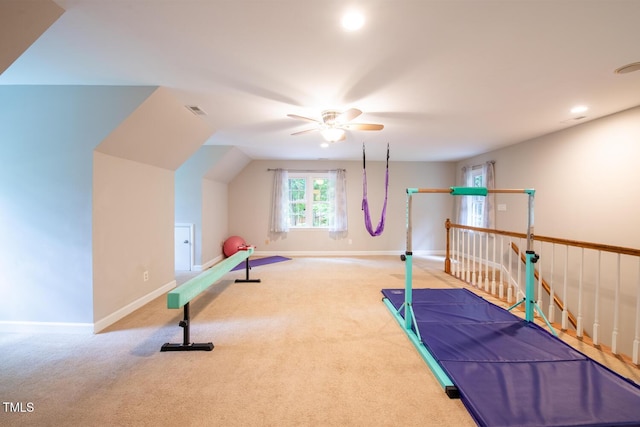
408	322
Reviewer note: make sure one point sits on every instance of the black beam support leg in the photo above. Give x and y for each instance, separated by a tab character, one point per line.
186	345
247	280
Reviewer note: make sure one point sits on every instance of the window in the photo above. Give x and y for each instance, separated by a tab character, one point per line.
476	211
310	204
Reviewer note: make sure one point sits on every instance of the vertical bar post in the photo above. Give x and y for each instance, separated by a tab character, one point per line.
531	258
408	293
530	286
186	327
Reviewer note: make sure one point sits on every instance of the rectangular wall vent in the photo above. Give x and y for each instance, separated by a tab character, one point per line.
196	110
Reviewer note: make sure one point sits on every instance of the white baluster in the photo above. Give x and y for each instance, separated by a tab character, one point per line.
501	287
539	264
493	275
468	252
616	312
596	309
474	273
457	233
486	263
480	262
520	281
463	254
579	328
509	284
458	255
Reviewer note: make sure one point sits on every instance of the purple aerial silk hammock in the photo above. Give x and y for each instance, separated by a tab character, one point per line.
365	203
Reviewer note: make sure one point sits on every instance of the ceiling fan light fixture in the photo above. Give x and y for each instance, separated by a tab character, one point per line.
629	68
332	134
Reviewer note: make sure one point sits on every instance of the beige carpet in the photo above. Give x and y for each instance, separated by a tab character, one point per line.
312	345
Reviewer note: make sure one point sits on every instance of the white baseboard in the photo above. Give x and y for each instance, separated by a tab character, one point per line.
347	253
207	264
131	307
23	327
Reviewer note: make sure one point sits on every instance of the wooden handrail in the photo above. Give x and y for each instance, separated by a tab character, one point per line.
577	243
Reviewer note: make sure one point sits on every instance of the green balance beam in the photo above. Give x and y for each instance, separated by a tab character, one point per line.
184	293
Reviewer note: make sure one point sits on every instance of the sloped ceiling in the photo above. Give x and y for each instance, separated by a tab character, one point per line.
160	132
21	23
448	79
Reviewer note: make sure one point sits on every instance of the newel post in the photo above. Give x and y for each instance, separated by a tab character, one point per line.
447	261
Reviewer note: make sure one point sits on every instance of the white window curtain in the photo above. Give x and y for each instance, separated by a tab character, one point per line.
489	215
338	227
465	205
280	207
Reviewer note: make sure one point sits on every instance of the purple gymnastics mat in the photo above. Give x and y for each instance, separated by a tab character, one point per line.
511	372
260	261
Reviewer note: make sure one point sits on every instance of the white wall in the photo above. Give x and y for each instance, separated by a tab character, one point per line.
250	196
215	220
47	138
585	180
133	232
203	202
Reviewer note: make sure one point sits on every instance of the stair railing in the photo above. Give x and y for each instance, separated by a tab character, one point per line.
599	283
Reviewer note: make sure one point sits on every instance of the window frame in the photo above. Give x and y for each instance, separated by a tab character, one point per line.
309	201
476	210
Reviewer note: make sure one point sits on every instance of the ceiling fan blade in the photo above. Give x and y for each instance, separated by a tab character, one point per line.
362	126
295	116
305	131
348	115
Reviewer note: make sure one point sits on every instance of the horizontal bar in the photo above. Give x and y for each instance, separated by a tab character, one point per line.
307	170
470	191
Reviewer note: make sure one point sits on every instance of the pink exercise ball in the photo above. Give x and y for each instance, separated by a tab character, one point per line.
231	245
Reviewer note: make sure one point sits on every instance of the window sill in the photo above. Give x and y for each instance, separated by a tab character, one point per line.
324	229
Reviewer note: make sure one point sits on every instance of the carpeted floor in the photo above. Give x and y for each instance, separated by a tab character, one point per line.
311	345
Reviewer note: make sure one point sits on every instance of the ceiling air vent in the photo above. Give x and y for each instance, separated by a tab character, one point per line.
196	110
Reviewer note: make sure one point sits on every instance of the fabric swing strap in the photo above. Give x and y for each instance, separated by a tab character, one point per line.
365	203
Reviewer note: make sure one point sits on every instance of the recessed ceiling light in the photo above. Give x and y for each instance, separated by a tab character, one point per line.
352	21
324	145
634	66
579	109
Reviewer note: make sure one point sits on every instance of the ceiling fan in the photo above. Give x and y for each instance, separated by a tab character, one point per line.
334	124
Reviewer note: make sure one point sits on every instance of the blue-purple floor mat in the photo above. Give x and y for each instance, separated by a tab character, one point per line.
510	372
260	261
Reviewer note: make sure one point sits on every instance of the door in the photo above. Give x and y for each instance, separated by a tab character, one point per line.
183	244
